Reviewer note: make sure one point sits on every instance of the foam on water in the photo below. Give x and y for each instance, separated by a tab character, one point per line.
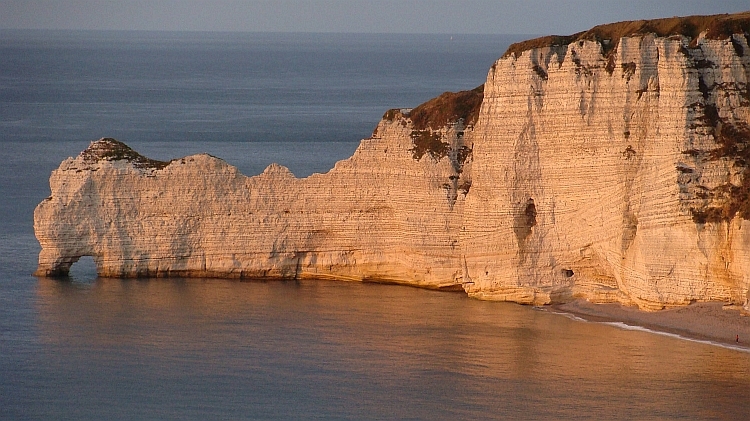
625	326
637	328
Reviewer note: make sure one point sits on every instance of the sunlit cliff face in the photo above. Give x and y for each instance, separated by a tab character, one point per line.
620	145
611	165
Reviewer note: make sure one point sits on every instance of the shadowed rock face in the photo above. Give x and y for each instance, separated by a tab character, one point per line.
610	165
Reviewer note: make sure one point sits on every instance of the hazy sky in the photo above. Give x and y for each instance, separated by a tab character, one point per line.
389	16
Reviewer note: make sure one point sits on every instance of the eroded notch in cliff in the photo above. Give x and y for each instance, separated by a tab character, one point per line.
524	221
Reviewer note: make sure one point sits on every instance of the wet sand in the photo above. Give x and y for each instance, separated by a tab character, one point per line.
713	321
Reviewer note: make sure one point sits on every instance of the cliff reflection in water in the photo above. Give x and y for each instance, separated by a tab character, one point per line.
216	348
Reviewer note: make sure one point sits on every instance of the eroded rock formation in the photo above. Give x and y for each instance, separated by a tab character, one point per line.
612	165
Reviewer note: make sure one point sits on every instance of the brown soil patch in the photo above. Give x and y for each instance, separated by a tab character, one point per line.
608	35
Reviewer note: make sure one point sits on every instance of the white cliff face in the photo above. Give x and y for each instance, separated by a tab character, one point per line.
380	215
616	171
608	179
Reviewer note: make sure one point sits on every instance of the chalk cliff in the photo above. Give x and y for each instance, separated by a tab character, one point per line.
612	165
390	213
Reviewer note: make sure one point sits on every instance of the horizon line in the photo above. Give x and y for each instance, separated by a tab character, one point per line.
199	31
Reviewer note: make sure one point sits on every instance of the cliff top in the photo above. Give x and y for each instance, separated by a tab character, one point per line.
109	149
447	108
608	35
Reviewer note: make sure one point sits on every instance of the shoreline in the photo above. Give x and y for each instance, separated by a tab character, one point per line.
712	323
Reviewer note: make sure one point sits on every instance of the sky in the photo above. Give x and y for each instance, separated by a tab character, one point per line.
354	16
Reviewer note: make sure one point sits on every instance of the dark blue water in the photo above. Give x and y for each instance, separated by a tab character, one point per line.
226	87
90	348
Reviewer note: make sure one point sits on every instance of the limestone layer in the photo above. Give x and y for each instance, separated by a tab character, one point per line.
612	165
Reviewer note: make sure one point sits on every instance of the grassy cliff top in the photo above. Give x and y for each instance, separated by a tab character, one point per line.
109	149
447	108
715	26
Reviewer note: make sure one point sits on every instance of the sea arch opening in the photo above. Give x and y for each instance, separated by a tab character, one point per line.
83	269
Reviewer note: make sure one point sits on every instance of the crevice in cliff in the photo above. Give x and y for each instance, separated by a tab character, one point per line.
458	155
640	72
525	186
610	66
631	164
628	70
525	220
523	223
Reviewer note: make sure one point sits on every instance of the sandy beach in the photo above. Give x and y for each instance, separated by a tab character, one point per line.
709	321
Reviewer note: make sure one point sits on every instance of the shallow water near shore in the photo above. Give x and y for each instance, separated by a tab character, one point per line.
89	348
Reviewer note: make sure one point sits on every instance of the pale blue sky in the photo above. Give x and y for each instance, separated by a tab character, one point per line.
372	16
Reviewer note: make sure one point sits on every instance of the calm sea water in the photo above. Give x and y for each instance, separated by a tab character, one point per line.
91	348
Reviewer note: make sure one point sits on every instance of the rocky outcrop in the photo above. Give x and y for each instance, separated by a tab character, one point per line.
611	165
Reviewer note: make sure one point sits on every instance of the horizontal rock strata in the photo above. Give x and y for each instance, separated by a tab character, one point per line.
614	169
390	213
611	165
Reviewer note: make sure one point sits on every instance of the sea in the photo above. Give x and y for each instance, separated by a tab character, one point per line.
88	348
